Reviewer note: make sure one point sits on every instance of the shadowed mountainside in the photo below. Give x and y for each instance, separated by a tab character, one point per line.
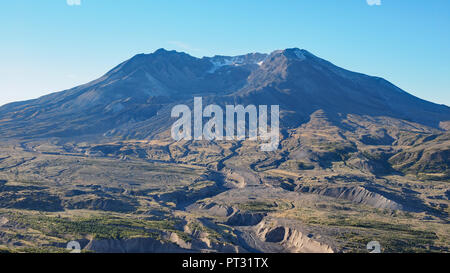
135	98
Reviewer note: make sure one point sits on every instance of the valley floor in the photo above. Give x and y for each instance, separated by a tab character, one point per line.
313	195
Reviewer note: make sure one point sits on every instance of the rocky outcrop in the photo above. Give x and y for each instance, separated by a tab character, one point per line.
213	209
376	164
292	240
355	194
245	219
172	243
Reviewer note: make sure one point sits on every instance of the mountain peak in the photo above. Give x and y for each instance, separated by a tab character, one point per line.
163	52
292	53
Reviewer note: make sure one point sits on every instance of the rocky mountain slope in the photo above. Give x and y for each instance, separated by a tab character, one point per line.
134	97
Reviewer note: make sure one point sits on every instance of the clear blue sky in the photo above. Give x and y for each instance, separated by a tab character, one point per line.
48	45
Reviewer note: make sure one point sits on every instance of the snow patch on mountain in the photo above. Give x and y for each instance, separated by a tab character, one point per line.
220	61
249	59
